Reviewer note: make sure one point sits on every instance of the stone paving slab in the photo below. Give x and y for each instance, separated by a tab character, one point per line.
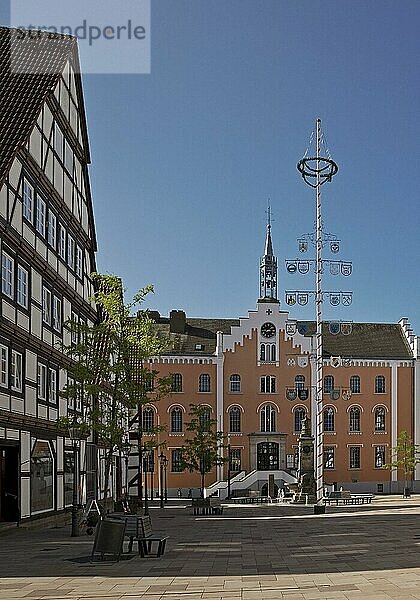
368	552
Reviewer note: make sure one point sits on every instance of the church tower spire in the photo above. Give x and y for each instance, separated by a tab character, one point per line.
268	266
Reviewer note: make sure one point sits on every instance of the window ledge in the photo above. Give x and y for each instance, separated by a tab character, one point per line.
234	433
380	433
329	432
355	433
180	434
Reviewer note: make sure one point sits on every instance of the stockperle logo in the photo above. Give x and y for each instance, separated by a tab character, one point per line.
113	37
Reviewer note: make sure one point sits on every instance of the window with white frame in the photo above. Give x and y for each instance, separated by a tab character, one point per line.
300	382
328	384
235	419
379	457
40	216
268	352
329	419
354	457
46	305
52	386
176	460
62	243
58	141
7	268
268	418
300	414
16	371
28	201
71	248
235	459
79	262
380	419
70	390
268	384
176	420
204	382
57	313
22	287
4	353
68	157
328	458
379	384
42	381
204	418
148	419
354	419
52	229
355	384
176	382
235	383
74	328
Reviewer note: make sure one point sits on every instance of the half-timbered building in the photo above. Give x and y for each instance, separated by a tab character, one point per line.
47	247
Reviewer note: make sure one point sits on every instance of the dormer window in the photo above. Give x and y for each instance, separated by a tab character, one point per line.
199	346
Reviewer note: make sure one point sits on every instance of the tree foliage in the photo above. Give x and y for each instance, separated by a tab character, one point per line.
404	456
201	452
107	365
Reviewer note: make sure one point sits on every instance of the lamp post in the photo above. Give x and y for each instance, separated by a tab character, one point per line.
228	473
162	460
146	454
125	450
74	435
165	471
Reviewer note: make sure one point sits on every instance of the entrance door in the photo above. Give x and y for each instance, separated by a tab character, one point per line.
267	456
9	483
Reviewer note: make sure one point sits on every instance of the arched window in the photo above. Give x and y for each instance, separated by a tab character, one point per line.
148	419
176	383
380	419
354	419
300	414
176	420
355	384
268	352
204	382
379	384
268	418
235	383
204	418
329	419
235	419
299	382
328	384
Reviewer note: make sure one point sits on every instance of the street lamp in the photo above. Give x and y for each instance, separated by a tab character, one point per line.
165	471
228	473
146	453
125	451
162	465
74	435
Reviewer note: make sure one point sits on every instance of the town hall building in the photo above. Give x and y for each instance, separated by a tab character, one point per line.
257	377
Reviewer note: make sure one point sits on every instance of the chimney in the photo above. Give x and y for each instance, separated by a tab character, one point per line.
177	321
154	315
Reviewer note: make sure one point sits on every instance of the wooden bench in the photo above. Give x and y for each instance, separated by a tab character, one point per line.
138	529
147	537
207	506
346	497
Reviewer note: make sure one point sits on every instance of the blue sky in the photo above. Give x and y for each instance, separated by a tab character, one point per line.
184	159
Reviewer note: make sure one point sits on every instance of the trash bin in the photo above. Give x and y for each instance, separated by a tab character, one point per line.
319	509
407	492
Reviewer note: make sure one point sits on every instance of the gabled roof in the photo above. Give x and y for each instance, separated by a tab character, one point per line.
366	341
22	94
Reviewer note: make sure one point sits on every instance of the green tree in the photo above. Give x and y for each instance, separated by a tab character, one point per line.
201	452
404	456
106	363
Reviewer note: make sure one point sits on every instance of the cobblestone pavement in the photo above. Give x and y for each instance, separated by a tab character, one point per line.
249	552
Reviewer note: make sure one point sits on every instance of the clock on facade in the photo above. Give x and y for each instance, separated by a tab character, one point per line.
268	330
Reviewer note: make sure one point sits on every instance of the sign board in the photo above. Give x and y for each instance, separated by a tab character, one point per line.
109	538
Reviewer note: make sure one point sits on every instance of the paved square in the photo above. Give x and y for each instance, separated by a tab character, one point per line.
250	552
